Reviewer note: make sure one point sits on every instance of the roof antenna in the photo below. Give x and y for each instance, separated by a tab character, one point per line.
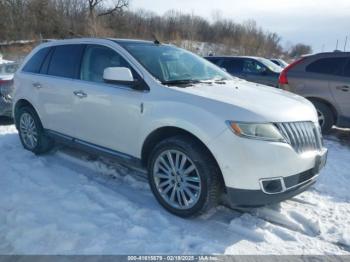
156	41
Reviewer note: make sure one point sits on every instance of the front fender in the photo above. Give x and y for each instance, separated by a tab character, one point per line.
201	123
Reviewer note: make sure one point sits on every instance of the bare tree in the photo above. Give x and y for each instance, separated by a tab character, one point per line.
33	19
116	5
99	8
299	50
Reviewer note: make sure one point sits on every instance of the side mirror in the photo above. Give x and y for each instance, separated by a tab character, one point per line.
118	75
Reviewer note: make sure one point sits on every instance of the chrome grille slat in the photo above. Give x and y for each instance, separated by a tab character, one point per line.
285	134
300	140
302	136
307	136
295	136
311	137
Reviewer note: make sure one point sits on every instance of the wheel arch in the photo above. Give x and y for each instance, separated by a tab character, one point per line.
165	132
21	103
327	103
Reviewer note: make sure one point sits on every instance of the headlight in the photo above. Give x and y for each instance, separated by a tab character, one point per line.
266	132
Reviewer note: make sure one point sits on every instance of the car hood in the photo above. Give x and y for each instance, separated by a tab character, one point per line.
245	101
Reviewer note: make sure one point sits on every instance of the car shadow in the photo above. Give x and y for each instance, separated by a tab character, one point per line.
341	135
6	121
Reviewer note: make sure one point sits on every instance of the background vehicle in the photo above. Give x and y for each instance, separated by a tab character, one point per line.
7	70
324	79
254	69
279	62
199	132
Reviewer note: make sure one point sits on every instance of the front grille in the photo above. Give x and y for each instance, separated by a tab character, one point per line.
302	136
294	180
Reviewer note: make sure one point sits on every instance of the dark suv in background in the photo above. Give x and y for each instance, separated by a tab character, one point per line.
254	69
324	79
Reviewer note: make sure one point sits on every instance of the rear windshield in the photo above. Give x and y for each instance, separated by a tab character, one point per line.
272	66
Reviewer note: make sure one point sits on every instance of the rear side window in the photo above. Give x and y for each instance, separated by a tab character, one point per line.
328	66
65	61
35	62
233	66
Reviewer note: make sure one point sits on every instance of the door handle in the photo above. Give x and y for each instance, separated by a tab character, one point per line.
80	94
343	88
37	85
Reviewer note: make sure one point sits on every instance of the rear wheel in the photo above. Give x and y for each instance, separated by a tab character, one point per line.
183	177
325	116
31	131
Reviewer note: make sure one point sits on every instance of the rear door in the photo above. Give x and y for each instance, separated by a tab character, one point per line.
340	88
56	86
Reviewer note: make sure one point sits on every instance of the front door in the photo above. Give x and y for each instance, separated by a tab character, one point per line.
108	115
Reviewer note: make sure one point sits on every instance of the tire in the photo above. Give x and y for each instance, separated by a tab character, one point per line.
325	115
206	176
26	117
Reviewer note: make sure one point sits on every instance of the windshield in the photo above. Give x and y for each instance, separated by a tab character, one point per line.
171	64
271	65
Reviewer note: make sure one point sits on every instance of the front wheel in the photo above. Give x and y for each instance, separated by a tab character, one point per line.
183	177
31	131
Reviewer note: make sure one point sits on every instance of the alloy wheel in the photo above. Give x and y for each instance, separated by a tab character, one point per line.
28	130
177	179
321	118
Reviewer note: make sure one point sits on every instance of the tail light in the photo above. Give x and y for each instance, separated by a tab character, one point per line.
3	81
283	80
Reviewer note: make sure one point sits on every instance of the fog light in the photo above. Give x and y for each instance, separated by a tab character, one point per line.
272	185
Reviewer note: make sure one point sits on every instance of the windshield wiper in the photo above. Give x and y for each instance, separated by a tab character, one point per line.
181	82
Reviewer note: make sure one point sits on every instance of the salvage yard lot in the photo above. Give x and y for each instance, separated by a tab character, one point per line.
68	202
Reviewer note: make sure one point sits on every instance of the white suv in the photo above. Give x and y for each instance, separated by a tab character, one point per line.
203	135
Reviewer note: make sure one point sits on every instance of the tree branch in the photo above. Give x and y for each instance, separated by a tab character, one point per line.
119	6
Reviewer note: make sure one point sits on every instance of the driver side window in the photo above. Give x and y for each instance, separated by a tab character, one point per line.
96	59
253	67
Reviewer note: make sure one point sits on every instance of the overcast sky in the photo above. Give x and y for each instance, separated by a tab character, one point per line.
318	23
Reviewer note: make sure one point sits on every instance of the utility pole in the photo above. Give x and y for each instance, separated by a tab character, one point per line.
346	41
336	47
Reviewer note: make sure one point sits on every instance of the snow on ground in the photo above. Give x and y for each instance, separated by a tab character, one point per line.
68	202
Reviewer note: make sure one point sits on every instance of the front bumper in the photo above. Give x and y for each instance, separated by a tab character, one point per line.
258	173
288	188
244	162
242	198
